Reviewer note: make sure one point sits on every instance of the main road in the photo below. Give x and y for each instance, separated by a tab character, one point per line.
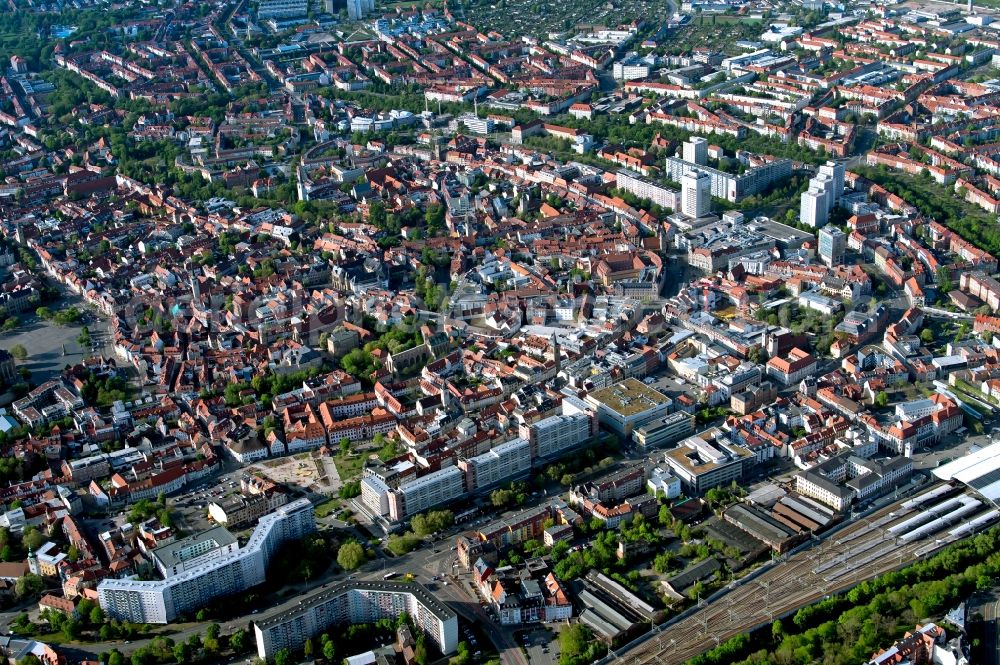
425	563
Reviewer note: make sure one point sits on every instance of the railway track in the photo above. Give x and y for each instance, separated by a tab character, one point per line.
859	552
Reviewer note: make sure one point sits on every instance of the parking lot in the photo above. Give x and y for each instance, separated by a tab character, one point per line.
45	342
190	507
542	645
671	386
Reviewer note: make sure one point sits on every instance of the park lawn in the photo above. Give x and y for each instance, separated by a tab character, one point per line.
327	508
349	467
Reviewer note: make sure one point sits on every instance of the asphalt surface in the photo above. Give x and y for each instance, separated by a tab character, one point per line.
990	647
45	341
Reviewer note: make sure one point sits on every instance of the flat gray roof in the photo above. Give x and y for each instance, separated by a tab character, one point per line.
327	594
169	555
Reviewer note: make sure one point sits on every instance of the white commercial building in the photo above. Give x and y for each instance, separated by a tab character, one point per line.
628	405
663	481
162	601
832	245
696	194
356	602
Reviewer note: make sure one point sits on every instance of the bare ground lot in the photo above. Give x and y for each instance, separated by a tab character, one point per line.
312	472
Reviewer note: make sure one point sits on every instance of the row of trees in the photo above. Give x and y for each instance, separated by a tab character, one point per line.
939	203
209	648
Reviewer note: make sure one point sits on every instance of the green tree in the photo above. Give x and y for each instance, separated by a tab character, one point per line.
575	640
239	641
19	352
329	651
420	651
350	489
927	336
307	649
182	652
283	657
351	555
71	629
881	399
28	585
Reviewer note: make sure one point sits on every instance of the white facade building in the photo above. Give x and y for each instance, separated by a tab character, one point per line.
426	492
696	194
282	9
696	151
356	602
358	9
161	601
499	464
553	435
812	209
661	480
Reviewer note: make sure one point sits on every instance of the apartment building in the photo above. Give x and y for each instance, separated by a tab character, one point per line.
527	524
504	462
982	286
268	9
240	510
611	488
194	551
551	436
730	186
426	492
356	602
162	601
632	182
696	197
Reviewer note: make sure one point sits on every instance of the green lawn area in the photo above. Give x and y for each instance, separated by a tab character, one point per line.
326	508
349	467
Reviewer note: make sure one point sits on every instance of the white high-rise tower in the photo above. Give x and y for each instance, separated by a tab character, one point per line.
696	194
